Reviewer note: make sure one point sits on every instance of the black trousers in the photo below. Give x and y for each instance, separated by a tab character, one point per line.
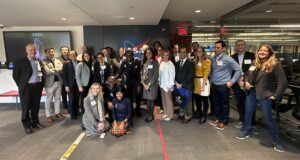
134	89
64	97
240	98
30	101
73	101
201	104
82	96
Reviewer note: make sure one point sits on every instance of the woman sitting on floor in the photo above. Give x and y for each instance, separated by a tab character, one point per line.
121	113
93	118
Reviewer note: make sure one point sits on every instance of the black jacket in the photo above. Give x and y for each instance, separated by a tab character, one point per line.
268	84
22	72
185	74
97	69
69	75
248	56
132	71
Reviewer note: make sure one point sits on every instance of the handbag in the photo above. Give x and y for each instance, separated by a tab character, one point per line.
206	91
178	99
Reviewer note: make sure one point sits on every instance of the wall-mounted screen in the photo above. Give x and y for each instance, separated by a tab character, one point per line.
15	42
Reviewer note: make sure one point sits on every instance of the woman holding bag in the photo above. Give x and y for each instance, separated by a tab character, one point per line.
201	83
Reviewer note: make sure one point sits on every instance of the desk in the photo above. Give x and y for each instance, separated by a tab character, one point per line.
15	93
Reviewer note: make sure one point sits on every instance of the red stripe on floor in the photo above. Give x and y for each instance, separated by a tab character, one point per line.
162	140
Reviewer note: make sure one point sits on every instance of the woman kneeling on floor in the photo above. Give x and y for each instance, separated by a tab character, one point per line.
121	113
93	118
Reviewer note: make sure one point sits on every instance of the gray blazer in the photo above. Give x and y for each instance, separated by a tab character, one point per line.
82	74
50	71
94	113
151	76
268	84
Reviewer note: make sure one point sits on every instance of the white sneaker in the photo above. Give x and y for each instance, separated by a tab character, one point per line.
167	119
164	116
239	125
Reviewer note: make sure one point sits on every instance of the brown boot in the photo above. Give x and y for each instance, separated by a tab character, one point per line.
49	119
66	111
59	116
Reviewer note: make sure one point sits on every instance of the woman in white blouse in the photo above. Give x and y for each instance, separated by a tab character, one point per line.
166	82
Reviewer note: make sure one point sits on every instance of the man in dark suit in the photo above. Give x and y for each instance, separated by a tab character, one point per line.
69	80
28	75
64	50
185	70
243	58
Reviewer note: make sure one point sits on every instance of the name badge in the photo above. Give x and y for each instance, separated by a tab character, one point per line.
40	74
111	94
220	63
247	61
150	66
199	64
103	67
136	67
191	57
93	103
252	68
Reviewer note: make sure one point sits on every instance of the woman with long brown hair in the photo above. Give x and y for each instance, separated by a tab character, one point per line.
265	83
202	71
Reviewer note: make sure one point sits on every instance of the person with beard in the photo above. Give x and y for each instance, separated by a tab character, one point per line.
53	81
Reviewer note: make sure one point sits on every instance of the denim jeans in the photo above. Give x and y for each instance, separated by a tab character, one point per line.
266	108
221	102
249	108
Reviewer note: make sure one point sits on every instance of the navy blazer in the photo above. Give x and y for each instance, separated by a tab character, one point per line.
68	72
185	74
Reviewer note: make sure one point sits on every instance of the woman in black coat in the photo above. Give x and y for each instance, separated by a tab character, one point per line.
101	70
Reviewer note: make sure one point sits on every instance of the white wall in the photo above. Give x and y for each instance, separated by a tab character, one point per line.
6	81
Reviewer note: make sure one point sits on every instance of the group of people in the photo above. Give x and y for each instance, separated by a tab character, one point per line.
104	89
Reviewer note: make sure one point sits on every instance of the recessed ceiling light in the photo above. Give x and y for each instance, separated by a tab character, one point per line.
64	19
268	11
131	18
197	11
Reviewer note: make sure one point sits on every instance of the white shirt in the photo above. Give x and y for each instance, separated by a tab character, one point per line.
182	62
176	55
241	58
166	77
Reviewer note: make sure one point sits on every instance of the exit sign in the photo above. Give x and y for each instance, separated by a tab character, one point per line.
182	31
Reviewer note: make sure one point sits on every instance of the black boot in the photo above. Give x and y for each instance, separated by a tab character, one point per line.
150	115
203	119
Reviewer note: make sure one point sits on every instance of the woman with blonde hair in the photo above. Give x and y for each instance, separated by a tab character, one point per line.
166	81
202	71
94	116
265	83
